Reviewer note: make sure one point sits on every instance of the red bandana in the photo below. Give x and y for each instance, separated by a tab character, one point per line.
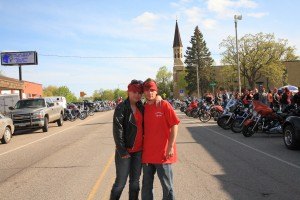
151	85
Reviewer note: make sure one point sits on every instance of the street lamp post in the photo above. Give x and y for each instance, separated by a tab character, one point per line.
236	18
198	92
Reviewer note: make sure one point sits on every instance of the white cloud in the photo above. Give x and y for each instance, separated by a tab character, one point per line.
227	8
258	15
146	20
194	15
209	23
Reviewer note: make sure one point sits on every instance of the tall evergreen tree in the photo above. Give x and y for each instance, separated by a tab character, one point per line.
199	56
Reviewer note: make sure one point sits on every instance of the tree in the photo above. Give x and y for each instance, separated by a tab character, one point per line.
260	55
49	91
120	93
65	92
164	81
198	56
181	82
108	95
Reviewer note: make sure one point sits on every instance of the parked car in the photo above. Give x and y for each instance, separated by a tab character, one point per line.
6	129
291	132
36	113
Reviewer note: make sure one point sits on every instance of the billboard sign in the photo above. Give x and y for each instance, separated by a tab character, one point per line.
19	58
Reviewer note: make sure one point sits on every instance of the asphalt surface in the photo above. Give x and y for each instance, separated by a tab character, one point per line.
76	161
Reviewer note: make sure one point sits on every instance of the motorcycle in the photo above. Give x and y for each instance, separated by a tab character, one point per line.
263	119
228	116
192	109
204	113
238	123
184	105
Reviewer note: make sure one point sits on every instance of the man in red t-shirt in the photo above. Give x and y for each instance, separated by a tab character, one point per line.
159	149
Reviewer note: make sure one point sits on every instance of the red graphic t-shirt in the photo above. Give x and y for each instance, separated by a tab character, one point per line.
158	121
138	143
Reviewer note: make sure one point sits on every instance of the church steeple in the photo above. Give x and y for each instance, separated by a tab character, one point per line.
177	40
178	63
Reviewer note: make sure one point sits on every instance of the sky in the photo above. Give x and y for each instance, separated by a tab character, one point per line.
91	45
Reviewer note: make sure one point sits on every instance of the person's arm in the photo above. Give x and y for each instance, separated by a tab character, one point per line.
158	100
118	132
173	136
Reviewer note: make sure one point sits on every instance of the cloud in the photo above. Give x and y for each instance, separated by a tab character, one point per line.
146	20
227	8
194	14
209	23
258	15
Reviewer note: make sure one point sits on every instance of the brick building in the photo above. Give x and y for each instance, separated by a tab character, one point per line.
13	86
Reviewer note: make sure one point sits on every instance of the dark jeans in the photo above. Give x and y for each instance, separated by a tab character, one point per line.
165	175
127	167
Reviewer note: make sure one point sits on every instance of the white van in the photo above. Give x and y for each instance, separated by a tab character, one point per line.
59	100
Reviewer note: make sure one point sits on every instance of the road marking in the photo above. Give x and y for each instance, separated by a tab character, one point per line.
99	181
23	146
245	145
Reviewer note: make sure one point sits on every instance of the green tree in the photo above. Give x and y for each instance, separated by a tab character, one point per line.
198	56
164	81
97	95
108	95
120	93
260	55
66	92
181	82
49	91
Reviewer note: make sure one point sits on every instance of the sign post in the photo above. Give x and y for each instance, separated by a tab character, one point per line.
19	59
212	84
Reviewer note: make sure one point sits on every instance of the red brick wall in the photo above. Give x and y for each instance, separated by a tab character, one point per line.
33	89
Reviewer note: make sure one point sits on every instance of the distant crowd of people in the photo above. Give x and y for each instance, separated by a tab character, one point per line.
277	99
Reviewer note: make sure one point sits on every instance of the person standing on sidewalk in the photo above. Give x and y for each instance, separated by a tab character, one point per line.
128	136
159	149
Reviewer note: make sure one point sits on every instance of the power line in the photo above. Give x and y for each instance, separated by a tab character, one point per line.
110	57
105	57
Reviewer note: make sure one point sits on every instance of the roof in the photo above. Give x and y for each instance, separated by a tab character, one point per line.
177	40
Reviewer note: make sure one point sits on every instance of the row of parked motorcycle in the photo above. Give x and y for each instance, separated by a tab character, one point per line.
81	110
250	119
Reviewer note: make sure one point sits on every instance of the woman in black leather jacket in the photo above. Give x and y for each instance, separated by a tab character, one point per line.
128	136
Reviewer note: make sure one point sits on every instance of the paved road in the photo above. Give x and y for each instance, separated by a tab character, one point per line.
76	162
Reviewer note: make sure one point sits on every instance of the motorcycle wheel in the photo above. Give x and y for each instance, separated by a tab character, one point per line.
289	138
236	126
248	130
222	122
82	115
204	117
194	113
71	118
182	109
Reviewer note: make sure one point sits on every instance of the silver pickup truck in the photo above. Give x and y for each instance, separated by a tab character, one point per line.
36	113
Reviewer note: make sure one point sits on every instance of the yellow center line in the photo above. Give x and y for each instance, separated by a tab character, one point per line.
100	179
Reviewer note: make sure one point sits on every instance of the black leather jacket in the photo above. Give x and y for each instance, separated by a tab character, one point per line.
124	126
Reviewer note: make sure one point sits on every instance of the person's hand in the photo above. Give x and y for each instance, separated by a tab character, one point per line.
170	152
126	156
158	100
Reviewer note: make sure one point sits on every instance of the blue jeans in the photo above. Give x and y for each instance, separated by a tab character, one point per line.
125	167
165	175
